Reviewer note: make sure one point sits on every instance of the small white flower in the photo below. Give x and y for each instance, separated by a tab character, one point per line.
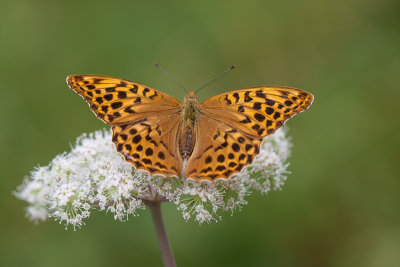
37	213
95	176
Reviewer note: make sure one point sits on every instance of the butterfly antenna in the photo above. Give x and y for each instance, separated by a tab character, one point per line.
216	78
171	77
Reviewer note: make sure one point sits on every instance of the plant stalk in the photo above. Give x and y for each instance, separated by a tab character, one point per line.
166	251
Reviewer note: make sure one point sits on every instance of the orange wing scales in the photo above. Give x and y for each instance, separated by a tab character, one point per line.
145	121
220	151
228	128
233	125
114	100
257	111
151	144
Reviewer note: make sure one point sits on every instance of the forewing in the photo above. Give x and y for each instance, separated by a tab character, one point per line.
220	151
151	144
258	111
117	101
145	121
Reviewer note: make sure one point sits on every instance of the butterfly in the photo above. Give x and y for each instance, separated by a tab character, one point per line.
202	141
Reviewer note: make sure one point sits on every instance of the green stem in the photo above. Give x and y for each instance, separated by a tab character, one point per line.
166	251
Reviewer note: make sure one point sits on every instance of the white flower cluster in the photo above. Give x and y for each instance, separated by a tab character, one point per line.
95	176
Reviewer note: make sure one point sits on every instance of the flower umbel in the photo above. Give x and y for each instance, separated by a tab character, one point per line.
95	176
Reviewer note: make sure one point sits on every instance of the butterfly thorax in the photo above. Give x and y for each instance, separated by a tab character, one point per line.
187	133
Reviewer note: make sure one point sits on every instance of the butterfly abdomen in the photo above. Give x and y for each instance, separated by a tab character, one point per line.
187	140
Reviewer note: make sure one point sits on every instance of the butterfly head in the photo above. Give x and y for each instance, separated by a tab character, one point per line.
191	98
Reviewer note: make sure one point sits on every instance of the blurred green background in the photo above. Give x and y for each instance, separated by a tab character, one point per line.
340	205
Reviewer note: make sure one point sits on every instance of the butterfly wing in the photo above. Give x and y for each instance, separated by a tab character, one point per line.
117	101
257	111
151	144
145	121
220	151
235	123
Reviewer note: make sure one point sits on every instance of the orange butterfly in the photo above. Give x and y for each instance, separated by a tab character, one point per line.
203	141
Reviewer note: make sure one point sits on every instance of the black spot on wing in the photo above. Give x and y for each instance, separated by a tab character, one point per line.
247	97
257	106
221	158
121	95
116	105
260	93
145	91
122	84
269	110
134	89
247	120
108	97
229	102
149	151
136	139
259	117
129	110
270	102
236	96
235	147
277	115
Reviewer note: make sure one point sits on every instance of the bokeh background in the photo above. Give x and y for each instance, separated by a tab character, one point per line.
340	205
